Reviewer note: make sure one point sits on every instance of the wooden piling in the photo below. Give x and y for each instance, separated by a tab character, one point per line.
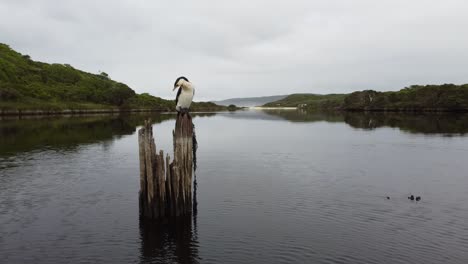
166	187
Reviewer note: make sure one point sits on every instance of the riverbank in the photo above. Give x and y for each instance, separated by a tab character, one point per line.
19	112
416	98
26	112
37	107
272	108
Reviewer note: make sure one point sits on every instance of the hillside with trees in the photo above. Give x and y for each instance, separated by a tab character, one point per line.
310	101
29	84
416	98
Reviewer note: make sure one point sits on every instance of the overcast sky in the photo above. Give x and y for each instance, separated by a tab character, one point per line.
247	48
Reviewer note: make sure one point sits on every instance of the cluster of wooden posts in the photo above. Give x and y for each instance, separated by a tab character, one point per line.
166	187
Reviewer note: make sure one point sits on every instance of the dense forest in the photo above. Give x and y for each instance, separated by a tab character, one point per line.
416	98
29	84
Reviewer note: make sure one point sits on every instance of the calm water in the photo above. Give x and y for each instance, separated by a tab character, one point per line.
275	187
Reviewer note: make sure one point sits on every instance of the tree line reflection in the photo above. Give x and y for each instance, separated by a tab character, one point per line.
448	124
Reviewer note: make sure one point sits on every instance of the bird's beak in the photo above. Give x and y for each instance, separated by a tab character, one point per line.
175	87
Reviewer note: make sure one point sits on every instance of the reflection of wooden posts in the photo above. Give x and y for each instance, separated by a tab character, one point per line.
166	188
172	242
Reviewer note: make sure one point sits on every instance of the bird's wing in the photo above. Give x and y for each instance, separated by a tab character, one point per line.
177	97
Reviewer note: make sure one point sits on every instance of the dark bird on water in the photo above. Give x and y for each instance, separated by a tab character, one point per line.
411	197
418	198
184	94
388	197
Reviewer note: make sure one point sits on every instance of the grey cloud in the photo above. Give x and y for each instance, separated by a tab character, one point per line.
247	48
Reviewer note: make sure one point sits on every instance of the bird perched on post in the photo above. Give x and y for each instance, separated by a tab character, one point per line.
184	94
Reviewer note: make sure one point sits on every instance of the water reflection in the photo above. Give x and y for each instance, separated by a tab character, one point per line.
18	135
173	242
67	132
268	195
25	134
429	123
435	123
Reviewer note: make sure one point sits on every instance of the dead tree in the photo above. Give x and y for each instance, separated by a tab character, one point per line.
166	187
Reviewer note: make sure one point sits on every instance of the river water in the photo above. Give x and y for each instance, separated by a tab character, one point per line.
273	187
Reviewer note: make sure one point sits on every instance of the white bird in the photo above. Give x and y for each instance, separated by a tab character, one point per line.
184	94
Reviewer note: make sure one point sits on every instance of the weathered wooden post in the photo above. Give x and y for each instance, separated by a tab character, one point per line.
166	188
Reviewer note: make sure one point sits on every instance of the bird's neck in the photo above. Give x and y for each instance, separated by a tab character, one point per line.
187	85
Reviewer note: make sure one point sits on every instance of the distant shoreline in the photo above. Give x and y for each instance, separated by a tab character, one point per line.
273	108
18	112
50	112
392	110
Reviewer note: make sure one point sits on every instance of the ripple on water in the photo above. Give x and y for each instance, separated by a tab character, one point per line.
275	199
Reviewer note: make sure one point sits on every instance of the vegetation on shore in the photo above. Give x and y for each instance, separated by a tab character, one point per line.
309	101
416	98
31	85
